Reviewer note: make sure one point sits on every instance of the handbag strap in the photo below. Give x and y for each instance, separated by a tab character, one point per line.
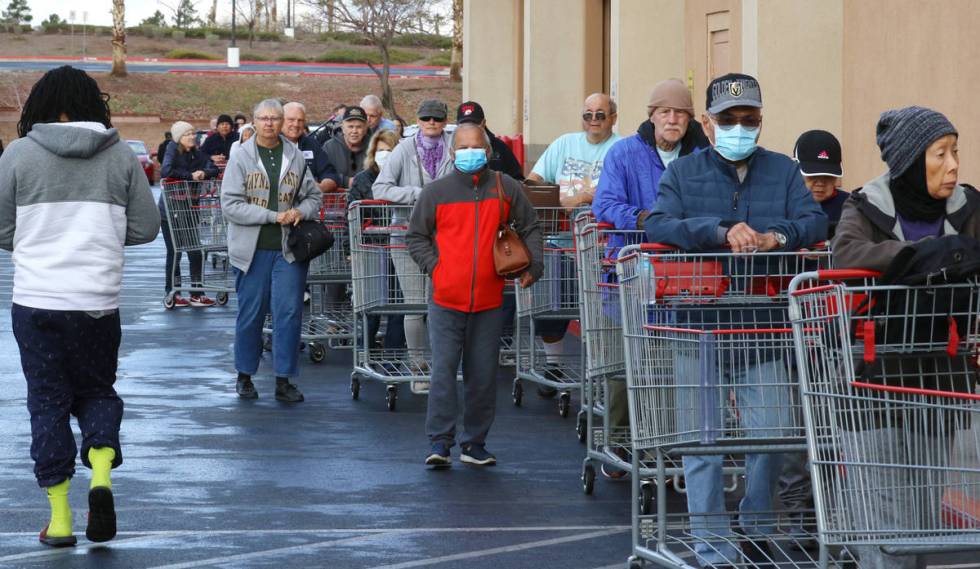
500	201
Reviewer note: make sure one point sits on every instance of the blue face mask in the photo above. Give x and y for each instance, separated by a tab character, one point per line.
470	160
736	143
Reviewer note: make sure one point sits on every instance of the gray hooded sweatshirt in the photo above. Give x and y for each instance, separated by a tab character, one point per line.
245	191
72	195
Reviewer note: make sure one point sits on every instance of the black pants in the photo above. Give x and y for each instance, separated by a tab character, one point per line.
69	359
195	258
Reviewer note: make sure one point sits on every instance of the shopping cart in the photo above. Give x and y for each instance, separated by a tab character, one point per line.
554	297
377	238
330	319
888	380
709	369
193	210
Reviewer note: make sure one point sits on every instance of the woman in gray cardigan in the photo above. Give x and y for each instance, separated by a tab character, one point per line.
266	190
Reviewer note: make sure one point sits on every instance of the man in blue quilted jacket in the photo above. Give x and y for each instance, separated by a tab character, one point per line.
739	195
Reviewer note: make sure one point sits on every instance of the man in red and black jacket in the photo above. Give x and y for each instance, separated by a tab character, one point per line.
451	237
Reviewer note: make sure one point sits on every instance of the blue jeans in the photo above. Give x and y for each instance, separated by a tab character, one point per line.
271	282
765	410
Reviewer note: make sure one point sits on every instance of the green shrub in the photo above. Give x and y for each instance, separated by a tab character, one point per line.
292	58
397	56
353	38
440	59
213	39
423	40
248	56
181	53
267	36
178	35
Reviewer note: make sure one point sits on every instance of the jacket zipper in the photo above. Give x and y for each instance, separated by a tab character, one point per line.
735	201
476	238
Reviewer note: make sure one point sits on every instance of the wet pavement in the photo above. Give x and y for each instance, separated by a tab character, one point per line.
213	481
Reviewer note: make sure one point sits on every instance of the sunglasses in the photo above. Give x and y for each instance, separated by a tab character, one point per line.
729	121
431	119
599	116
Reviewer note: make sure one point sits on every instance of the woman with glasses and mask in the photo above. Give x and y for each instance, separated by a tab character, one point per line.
415	162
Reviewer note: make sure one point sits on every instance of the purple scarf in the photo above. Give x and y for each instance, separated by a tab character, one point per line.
431	150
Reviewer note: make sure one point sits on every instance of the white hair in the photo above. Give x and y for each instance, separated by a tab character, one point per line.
370	101
294	105
272	104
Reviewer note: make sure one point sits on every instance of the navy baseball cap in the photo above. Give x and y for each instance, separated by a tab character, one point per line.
733	90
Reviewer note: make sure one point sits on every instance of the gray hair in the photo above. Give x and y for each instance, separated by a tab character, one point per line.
469	126
294	105
271	104
370	101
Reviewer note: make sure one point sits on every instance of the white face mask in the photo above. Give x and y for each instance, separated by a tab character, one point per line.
381	156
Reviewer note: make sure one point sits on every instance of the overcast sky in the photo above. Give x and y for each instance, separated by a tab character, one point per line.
99	12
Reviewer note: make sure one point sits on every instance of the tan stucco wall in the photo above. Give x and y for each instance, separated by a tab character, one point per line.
905	52
492	58
799	57
647	46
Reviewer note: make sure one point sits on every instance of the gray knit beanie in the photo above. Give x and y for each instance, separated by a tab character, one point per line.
904	134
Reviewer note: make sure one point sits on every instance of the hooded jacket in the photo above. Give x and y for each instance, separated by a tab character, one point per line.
72	195
245	192
402	177
869	234
453	230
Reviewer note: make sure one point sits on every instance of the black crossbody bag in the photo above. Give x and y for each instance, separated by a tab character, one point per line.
309	239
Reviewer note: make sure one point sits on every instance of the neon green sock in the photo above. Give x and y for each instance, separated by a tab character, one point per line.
101	461
60	524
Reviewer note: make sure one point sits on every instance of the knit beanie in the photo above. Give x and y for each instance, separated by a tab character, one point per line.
673	94
179	129
904	134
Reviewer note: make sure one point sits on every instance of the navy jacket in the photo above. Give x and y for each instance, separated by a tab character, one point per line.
181	165
502	158
700	197
317	160
215	144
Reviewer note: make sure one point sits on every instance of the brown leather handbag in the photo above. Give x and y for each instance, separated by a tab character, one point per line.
510	254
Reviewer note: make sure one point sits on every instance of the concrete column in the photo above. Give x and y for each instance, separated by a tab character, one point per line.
492	61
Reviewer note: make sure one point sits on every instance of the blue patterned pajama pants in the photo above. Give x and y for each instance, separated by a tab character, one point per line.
69	359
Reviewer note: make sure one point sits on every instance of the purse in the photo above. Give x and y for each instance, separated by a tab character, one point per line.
309	240
510	254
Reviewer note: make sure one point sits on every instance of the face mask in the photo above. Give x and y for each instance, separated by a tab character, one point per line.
736	143
470	160
381	156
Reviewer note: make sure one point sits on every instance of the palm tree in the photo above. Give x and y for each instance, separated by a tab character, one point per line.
118	38
456	57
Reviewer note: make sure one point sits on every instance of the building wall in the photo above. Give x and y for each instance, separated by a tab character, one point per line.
905	52
492	61
647	46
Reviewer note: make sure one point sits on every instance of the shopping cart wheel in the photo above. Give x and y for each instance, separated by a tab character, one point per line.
518	392
221	298
355	387
317	352
168	302
633	563
391	397
588	478
564	403
582	426
646	498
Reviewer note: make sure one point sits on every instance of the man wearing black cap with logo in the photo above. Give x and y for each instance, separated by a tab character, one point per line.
742	196
819	155
502	159
346	151
218	144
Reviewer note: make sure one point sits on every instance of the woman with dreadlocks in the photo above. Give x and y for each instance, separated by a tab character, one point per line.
72	195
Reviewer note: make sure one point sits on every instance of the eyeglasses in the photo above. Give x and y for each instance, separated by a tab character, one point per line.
431	119
598	115
268	119
729	121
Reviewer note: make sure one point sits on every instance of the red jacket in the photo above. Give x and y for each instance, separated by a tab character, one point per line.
452	232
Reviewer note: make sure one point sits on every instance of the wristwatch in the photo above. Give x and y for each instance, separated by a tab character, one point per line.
780	239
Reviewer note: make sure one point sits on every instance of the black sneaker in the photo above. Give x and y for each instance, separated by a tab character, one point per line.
439	455
478	455
246	389
287	393
101	515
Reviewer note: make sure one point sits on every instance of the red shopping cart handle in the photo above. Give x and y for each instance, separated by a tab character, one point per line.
845	274
915	391
371	202
657	247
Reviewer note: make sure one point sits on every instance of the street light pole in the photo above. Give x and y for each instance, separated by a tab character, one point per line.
233	55
233	10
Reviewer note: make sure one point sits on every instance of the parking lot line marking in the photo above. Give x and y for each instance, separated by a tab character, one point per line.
327	531
48	552
499	550
265	553
960	566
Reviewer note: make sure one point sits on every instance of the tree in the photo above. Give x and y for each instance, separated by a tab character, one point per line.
17	12
437	21
456	57
53	20
249	11
157	19
118	38
378	21
184	13
213	14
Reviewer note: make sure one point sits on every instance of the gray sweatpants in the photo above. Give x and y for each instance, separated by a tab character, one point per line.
474	338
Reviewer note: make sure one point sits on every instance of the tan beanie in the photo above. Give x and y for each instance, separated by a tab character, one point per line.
179	129
671	93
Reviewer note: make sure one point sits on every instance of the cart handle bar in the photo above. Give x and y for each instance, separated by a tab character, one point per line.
371	202
916	391
725	332
845	274
665	247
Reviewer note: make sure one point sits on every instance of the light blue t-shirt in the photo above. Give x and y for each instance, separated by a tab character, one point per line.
668	156
573	163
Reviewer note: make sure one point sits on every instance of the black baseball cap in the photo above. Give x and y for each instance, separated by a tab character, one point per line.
819	154
470	111
733	90
354	113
